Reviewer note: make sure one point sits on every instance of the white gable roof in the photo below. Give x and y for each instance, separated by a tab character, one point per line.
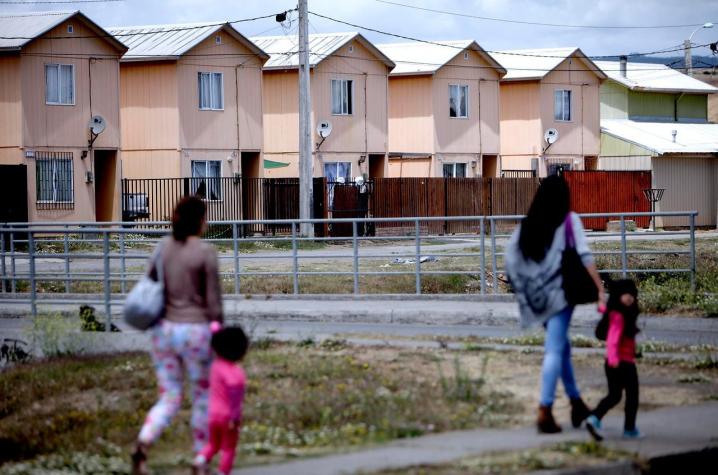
653	77
284	50
534	64
157	42
426	58
658	136
20	29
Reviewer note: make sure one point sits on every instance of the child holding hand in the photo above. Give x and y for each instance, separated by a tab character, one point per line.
620	334
227	382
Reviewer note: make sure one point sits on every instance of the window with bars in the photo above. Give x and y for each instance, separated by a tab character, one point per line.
54	180
207	179
562	105
342	97
211	91
60	84
458	101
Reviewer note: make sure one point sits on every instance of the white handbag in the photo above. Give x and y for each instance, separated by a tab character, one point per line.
145	304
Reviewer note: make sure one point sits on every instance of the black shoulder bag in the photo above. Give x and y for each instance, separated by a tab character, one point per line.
578	285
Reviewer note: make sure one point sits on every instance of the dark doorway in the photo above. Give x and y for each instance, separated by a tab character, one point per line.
106	203
251	166
252	196
376	166
13	194
489	166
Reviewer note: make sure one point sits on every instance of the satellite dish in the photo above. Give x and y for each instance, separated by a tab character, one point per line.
550	136
97	124
324	129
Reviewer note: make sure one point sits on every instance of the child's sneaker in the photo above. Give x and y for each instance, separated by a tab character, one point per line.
632	434
199	466
593	424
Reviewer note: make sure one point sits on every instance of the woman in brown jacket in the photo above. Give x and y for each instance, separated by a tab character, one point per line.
181	341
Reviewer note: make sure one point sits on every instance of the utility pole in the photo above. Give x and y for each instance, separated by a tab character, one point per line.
306	159
687	59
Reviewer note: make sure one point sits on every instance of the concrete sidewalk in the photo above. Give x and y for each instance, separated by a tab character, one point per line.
668	431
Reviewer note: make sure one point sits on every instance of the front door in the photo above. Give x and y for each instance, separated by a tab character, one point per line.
106	190
13	194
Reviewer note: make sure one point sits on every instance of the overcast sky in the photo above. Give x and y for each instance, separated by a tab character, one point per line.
491	35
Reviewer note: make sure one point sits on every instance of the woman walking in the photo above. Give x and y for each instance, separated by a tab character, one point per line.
181	341
534	265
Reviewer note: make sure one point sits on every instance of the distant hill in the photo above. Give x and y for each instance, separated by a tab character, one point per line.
675	62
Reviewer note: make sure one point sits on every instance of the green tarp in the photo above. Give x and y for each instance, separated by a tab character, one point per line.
273	164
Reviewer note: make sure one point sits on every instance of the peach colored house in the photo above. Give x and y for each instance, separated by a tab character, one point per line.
443	110
556	88
190	99
349	87
57	71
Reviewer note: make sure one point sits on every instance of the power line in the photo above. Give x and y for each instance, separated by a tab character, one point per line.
522	22
508	53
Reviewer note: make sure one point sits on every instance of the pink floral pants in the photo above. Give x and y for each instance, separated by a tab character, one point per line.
179	348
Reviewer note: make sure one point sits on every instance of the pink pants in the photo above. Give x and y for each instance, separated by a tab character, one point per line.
221	439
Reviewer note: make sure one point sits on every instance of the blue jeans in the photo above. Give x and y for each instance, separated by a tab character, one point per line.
557	359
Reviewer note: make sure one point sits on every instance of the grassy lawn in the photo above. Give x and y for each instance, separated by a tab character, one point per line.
303	399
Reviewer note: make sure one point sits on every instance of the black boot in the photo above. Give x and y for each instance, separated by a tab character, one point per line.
579	412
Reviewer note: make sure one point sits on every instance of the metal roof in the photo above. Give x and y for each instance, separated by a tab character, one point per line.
427	58
19	30
284	50
654	77
169	42
534	64
658	136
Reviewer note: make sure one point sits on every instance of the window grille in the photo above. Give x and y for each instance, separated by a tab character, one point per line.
54	181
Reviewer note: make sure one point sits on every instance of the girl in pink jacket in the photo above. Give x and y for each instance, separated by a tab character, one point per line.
227	382
622	313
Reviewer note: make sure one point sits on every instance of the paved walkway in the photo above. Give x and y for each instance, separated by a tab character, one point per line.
668	431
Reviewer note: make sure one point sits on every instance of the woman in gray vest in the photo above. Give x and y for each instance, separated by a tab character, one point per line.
533	263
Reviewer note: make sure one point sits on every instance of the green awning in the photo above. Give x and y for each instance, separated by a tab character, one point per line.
273	164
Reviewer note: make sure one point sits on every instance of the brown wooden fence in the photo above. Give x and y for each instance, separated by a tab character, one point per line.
609	192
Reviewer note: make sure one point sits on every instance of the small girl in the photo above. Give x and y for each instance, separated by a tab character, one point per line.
622	313
226	392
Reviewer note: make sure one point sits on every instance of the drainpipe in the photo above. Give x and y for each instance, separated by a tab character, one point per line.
236	106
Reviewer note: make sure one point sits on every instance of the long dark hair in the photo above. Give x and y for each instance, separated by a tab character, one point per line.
188	217
548	210
616	288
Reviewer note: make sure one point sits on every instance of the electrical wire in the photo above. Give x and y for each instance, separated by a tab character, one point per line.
533	23
509	53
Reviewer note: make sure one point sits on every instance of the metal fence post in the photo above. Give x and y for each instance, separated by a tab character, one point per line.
13	283
624	248
418	257
106	278
33	283
2	261
66	248
123	264
494	265
355	250
235	248
482	230
295	259
692	219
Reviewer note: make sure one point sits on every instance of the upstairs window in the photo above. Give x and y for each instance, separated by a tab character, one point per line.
454	170
342	90
458	101
54	180
207	179
60	84
211	91
562	105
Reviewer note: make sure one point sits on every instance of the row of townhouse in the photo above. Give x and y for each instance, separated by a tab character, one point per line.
202	100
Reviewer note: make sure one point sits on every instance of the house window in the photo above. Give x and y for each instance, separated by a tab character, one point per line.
466	55
60	84
211	91
70	29
458	101
562	105
207	179
342	96
54	180
218	40
454	170
338	172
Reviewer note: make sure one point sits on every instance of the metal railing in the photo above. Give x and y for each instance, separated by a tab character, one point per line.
96	263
